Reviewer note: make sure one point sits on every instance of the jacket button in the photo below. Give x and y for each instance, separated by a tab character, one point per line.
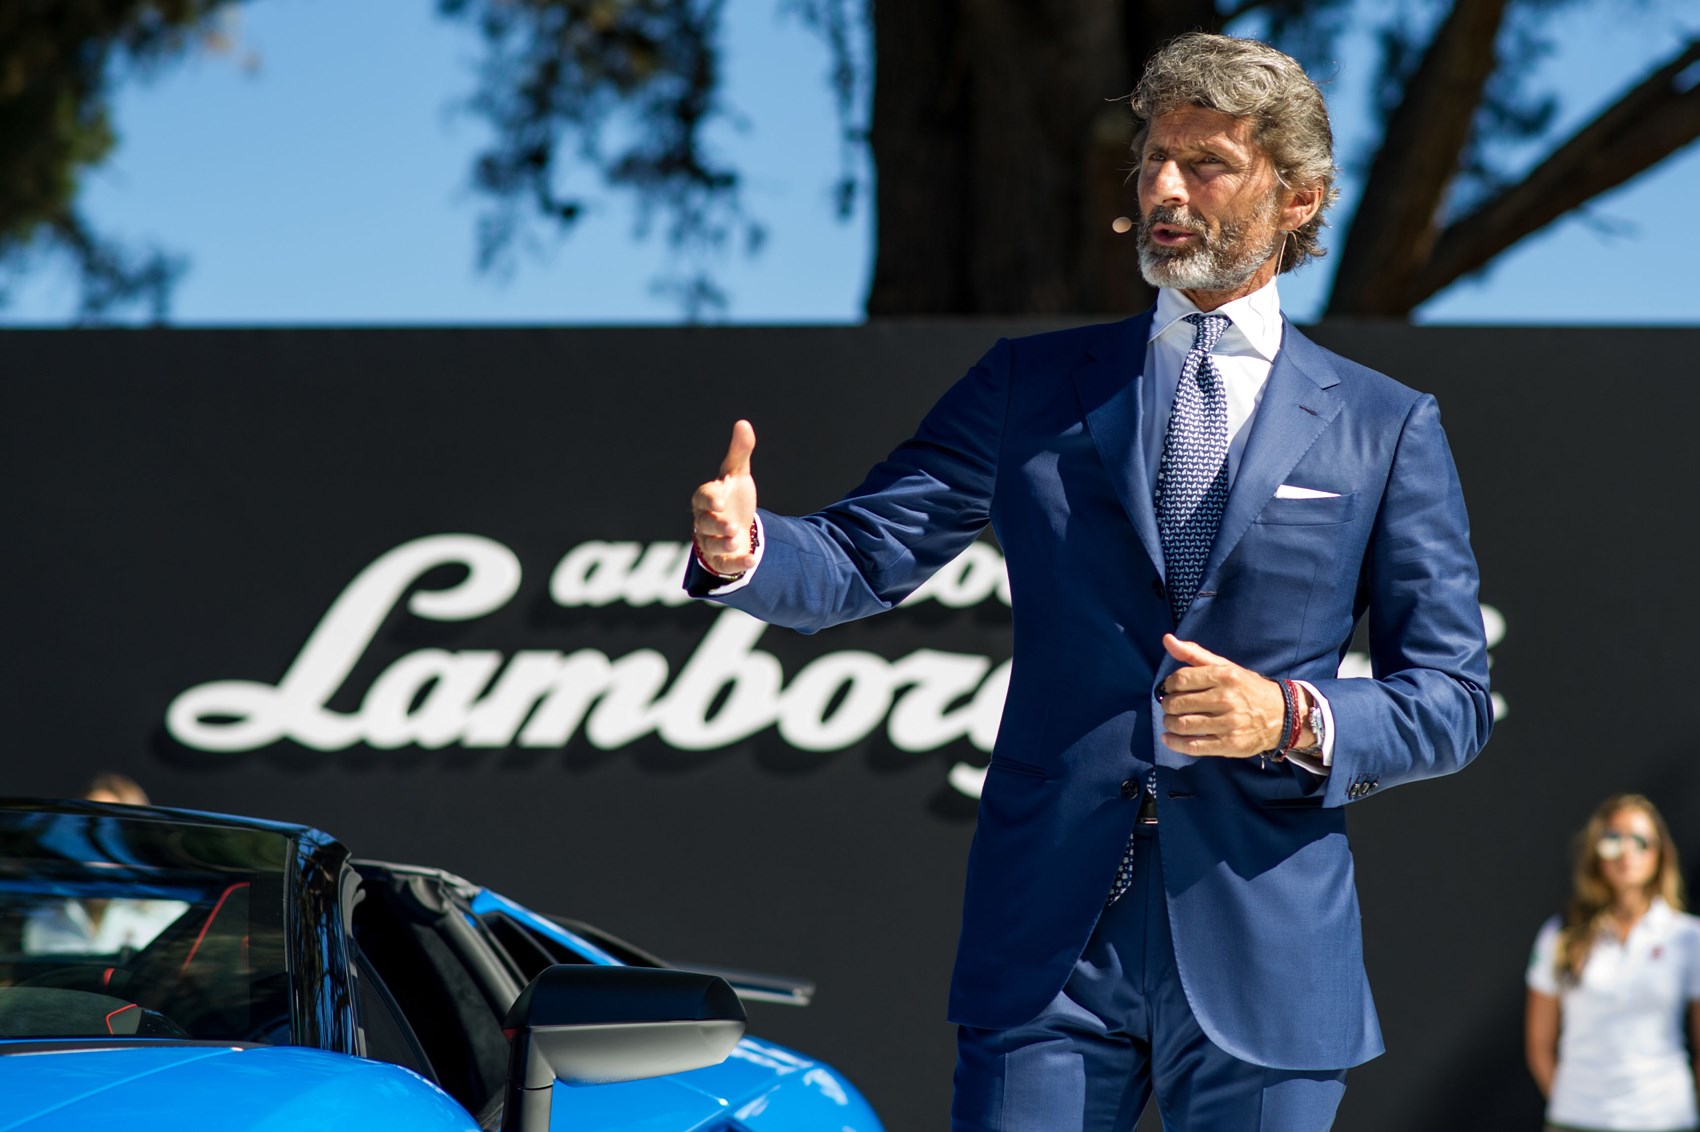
1157	588
1130	789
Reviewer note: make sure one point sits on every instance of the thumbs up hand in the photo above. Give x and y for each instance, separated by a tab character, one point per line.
723	510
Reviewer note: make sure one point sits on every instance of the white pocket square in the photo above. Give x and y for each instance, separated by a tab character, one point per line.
1288	491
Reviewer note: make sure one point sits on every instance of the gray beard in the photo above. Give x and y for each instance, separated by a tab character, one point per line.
1222	262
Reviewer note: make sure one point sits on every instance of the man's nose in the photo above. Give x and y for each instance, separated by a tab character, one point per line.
1167	185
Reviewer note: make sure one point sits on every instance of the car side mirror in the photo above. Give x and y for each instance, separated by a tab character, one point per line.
588	1025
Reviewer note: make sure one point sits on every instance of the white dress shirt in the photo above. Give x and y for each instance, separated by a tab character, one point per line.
1243	355
1622	1062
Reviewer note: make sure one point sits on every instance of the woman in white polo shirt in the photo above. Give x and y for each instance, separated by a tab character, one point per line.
1615	981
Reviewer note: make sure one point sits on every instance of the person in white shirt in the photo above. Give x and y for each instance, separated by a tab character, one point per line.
101	926
1613	983
98	926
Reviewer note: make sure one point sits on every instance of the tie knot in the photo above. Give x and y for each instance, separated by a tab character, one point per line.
1209	329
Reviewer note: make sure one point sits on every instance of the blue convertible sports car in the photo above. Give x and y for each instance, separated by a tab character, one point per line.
165	969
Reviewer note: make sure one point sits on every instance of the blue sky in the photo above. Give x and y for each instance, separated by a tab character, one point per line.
329	185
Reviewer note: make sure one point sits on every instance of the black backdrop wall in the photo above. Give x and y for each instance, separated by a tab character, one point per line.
416	588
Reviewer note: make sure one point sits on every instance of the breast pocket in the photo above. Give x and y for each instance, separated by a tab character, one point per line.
1295	569
1326	511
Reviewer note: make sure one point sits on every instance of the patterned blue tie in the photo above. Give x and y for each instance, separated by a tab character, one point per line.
1192	479
1192	489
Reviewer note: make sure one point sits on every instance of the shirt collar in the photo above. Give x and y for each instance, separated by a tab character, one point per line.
1654	920
1257	318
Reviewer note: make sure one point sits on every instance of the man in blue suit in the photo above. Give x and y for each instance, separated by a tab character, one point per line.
1197	505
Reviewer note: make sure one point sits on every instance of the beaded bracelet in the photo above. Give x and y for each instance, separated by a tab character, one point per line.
727	579
1290	694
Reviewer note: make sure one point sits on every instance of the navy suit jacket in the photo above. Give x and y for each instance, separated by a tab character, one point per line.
1043	440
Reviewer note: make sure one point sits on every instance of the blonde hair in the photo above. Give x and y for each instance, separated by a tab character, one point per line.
1591	896
1267	88
127	790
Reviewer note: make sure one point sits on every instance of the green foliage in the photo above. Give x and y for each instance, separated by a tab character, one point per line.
59	60
850	78
622	91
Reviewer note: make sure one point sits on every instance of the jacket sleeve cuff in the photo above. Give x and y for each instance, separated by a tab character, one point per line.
701	583
1322	762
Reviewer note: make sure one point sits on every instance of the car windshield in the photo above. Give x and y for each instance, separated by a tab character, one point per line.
114	926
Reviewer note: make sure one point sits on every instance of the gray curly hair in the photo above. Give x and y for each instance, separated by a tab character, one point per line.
1268	88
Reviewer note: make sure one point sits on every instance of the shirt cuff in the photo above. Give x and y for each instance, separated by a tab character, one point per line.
1323	761
743	579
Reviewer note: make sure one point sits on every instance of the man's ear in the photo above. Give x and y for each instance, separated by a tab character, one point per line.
1301	205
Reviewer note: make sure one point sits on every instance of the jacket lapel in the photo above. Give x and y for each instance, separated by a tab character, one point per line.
1298	404
1108	386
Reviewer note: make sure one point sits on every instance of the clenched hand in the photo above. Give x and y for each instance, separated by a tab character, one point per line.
1212	706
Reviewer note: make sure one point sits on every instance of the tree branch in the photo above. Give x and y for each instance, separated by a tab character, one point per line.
1396	224
1658	117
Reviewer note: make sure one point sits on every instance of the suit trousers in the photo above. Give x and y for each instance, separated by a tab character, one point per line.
1121	1030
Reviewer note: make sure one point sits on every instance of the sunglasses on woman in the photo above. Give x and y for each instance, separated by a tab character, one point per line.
1613	844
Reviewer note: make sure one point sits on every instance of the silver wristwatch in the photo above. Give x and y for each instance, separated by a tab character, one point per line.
1318	727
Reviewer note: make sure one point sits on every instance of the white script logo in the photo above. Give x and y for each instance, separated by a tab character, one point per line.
481	698
726	691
